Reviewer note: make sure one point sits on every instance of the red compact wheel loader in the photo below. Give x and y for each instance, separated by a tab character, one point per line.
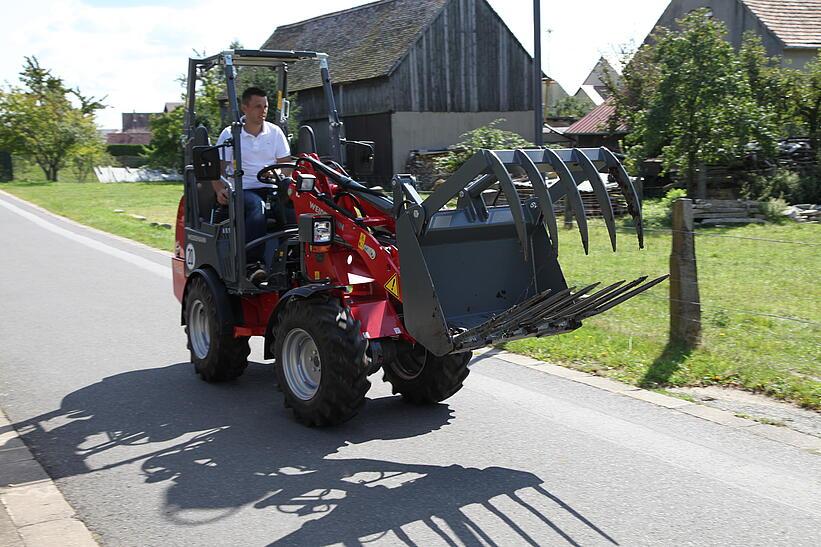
357	279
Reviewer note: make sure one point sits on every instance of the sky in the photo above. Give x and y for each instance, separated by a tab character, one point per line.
133	51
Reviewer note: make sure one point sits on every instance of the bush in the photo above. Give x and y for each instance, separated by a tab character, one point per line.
489	137
126	149
785	185
773	209
660	212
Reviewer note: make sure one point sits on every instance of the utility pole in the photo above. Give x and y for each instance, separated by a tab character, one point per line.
537	73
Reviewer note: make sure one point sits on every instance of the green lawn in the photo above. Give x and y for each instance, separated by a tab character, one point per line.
760	300
93	203
761	312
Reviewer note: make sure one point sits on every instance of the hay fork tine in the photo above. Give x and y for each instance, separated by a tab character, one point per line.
571	192
619	173
514	202
540	189
600	190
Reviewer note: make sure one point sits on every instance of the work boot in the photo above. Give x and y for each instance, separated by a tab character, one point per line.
258	276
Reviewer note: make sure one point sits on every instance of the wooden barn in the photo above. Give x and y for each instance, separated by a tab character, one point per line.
412	74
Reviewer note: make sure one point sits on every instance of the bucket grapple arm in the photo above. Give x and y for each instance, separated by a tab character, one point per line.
478	274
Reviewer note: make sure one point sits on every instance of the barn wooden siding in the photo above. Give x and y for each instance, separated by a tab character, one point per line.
467	60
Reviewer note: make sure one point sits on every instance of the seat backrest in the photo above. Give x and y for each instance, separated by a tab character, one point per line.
206	198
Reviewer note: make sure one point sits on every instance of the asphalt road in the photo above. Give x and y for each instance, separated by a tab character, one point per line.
94	372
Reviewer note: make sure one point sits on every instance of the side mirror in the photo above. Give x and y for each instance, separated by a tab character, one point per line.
360	157
206	163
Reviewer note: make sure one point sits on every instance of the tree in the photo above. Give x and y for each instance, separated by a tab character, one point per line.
804	100
489	137
39	122
166	148
702	109
571	107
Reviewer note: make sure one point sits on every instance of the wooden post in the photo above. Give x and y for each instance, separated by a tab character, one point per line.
568	213
701	181
685	304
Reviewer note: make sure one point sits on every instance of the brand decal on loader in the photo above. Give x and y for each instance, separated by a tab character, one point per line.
370	252
317	208
190	256
392	286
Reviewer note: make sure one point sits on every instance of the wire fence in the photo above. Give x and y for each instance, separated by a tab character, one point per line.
752	299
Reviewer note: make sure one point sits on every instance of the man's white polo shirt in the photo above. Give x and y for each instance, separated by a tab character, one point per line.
257	152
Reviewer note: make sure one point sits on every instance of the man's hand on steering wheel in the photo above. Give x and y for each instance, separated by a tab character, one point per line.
270	174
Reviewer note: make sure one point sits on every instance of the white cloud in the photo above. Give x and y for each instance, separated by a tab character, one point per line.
134	54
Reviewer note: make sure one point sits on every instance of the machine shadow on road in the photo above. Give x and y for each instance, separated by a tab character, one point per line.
223	448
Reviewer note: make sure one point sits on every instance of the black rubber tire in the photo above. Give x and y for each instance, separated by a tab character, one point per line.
227	356
423	378
344	371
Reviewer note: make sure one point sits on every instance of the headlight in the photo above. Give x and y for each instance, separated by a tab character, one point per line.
322	232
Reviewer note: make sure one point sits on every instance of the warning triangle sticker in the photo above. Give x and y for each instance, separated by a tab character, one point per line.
392	286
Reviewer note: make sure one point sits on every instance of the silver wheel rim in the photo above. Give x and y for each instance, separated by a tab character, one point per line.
301	364
198	330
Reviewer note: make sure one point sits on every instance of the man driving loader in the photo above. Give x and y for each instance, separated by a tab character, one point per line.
263	143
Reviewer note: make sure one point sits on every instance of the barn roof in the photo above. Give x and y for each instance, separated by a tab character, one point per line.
596	122
367	42
797	23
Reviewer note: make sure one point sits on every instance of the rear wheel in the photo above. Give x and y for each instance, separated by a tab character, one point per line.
216	354
423	378
320	361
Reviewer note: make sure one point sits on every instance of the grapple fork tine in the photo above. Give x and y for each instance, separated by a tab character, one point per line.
600	190
540	189
506	185
626	296
617	171
571	193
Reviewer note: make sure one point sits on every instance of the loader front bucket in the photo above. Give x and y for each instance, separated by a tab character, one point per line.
477	275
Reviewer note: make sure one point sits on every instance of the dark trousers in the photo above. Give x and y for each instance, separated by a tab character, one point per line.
255	221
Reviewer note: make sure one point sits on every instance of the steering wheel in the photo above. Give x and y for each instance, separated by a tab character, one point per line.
269	175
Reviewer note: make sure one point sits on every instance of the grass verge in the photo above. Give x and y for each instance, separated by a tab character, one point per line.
761	318
93	204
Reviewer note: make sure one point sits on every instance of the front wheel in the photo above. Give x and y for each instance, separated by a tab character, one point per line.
217	355
423	378
320	361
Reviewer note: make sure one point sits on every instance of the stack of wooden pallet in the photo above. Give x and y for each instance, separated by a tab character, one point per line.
709	212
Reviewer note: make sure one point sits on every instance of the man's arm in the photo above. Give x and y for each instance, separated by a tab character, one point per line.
220	188
286	171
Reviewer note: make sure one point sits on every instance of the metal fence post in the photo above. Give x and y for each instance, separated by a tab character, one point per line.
685	305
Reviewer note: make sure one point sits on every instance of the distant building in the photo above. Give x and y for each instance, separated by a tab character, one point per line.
593	130
594	90
552	93
412	74
136	129
789	28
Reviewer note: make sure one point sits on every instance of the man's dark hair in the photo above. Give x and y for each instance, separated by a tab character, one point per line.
253	92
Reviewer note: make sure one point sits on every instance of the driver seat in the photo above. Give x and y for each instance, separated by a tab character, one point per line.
206	198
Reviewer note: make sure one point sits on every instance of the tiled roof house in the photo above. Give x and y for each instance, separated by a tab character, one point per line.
789	28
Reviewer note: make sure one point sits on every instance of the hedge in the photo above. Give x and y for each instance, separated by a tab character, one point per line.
126	149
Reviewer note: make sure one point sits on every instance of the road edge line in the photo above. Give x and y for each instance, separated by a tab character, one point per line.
122	239
48	518
782	435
